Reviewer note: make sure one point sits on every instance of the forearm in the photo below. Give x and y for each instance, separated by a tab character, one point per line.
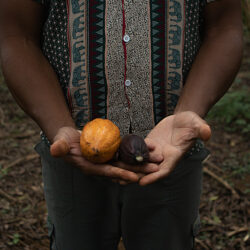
213	71
34	84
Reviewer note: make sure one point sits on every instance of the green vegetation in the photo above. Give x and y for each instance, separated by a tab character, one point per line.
246	14
233	111
3	172
15	239
238	167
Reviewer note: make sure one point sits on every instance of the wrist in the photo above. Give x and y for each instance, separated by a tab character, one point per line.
52	127
196	108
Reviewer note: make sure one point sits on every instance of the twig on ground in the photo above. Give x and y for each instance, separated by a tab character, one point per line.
238	230
29	157
7	196
216	145
2	162
2	118
212	165
19	136
246	237
202	244
244	74
220	180
13	220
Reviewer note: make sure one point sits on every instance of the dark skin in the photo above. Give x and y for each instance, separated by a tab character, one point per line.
218	59
38	91
211	75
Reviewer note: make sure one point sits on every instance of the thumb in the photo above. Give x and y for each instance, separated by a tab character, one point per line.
59	148
205	132
62	141
155	154
202	129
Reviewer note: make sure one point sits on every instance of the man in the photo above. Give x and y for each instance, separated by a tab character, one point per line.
154	68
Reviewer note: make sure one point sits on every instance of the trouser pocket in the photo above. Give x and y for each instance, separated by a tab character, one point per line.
38	147
51	233
57	178
195	229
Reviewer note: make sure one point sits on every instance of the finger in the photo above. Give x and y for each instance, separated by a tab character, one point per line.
102	169
68	134
153	177
146	168
75	150
205	132
59	148
202	128
123	183
156	155
150	144
115	180
166	168
140	175
118	173
202	131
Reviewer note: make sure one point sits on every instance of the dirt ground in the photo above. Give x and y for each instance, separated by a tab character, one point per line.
225	203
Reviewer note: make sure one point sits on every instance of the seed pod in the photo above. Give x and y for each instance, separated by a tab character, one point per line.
99	141
133	150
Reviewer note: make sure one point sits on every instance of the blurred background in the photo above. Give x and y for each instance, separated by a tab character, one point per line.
225	203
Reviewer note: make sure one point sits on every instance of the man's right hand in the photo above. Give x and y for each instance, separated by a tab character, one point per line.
66	145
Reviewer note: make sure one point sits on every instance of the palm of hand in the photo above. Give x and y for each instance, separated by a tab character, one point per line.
67	146
174	135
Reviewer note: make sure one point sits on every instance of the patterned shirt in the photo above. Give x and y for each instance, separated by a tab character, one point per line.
125	60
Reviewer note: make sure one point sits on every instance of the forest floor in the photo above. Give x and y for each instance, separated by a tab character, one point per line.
225	201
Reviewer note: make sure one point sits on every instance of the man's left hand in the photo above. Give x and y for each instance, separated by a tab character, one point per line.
174	135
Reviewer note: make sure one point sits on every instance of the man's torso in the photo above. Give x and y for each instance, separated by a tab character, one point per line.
125	60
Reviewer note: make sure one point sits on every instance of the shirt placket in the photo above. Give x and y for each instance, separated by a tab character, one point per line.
125	40
137	72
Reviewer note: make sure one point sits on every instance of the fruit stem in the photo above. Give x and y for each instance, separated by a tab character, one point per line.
139	158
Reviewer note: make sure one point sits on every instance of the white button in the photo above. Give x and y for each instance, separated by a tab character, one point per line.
126	38
128	83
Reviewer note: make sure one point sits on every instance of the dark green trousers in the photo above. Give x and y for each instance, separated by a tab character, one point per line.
91	213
